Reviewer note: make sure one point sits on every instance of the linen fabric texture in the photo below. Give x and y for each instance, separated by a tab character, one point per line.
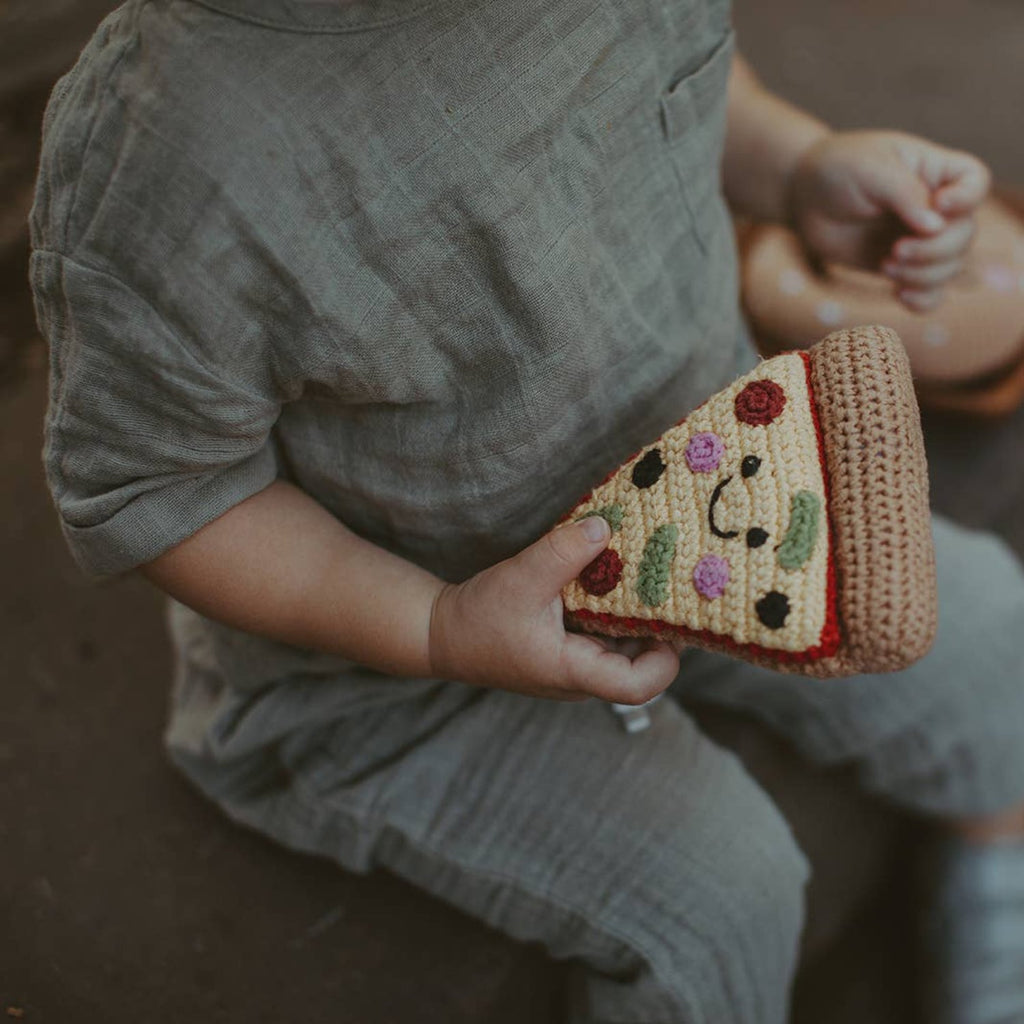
444	265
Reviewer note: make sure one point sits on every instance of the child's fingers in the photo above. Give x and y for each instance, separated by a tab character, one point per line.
560	556
966	189
936	184
616	677
920	267
957	181
920	300
929	276
907	195
948	245
630	646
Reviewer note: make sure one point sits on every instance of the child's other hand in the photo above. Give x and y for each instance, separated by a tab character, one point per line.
504	628
891	202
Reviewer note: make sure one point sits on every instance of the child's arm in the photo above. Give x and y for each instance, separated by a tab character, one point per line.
765	140
876	199
280	565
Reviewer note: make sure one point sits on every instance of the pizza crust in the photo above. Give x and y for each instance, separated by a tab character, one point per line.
878	474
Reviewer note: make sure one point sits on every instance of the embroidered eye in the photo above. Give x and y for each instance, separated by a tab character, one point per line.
772	609
756	537
648	470
750	465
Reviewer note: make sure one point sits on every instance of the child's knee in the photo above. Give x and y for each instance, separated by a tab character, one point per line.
716	922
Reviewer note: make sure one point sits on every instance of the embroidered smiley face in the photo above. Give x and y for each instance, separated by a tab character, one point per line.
759	404
794	549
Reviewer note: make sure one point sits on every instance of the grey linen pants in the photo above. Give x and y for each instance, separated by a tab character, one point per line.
652	860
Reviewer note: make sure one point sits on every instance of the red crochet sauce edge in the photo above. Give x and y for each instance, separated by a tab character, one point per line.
828	642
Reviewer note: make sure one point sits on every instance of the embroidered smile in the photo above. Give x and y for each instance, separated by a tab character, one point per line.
804	523
727	534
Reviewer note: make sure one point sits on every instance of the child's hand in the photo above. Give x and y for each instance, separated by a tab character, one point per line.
891	202
503	628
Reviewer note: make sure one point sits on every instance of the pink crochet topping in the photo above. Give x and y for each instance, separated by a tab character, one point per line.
710	576
704	452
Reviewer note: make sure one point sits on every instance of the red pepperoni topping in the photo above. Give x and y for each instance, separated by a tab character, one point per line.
760	402
603	574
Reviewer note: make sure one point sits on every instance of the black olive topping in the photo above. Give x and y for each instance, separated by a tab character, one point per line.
772	609
648	470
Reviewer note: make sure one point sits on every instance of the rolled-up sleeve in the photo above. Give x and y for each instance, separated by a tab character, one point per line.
146	440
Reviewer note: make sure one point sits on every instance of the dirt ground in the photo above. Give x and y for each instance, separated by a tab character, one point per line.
91	817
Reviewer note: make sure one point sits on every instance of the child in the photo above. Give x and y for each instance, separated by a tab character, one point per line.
348	302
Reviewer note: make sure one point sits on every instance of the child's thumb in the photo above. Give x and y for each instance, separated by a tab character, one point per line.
911	200
561	555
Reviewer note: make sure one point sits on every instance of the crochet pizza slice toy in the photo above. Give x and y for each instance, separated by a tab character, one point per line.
785	521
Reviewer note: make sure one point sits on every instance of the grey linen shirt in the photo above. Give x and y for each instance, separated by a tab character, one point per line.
442	264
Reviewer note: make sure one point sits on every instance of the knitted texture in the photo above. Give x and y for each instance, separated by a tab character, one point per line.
879	510
689	502
784	521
